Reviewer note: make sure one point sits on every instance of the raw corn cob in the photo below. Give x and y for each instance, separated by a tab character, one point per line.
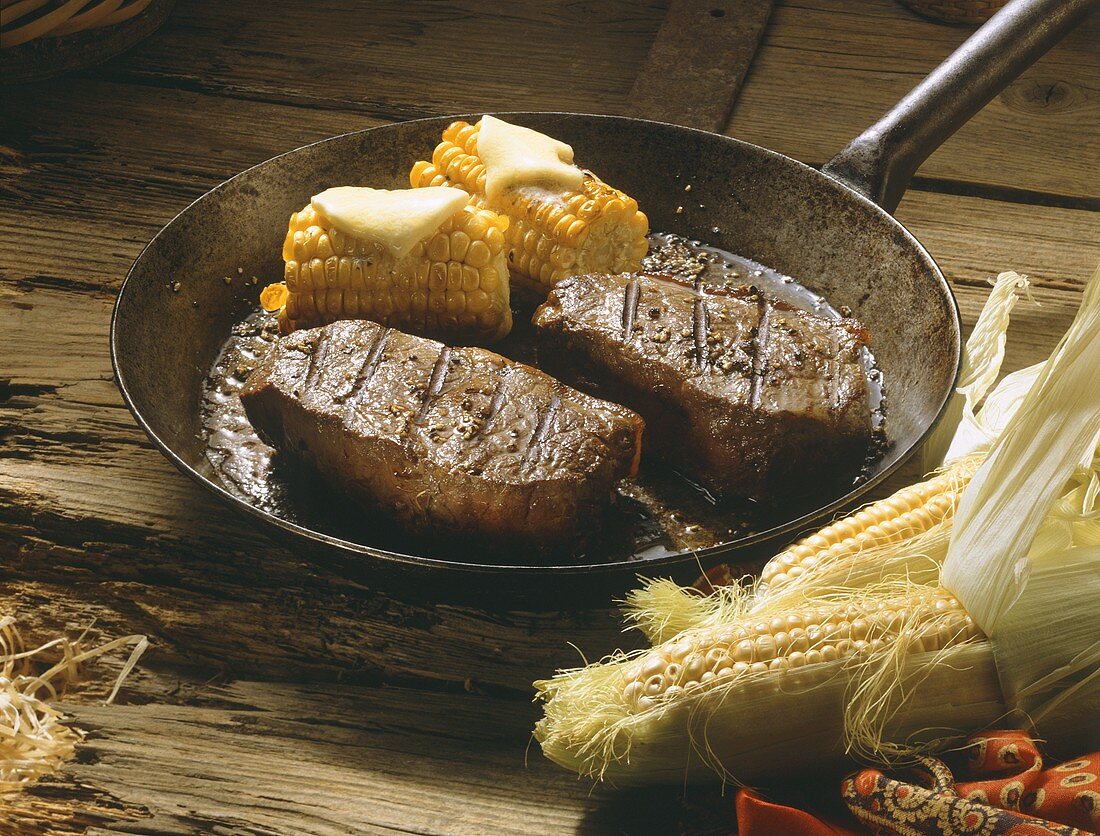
451	284
593	229
910	512
929	621
847	549
702	706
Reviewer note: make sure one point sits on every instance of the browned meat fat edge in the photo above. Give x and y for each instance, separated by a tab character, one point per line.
750	397
443	440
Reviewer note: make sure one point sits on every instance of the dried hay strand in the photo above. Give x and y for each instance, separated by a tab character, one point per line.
34	740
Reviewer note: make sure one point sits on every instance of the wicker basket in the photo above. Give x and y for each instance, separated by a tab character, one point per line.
45	39
956	11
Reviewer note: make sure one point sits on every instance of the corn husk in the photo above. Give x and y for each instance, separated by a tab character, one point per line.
977	431
982	358
758	729
1055	429
889	704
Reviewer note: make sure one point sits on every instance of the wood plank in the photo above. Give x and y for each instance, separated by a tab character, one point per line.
378	760
837	64
697	62
840	64
385	59
59	140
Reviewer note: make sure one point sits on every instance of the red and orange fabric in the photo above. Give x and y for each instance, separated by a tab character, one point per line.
1007	793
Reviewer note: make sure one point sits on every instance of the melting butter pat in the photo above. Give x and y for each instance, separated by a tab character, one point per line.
397	219
517	157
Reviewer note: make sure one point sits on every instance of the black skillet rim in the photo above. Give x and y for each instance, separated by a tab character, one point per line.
643	564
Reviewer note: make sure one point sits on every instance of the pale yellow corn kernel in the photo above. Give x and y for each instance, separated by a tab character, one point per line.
334	301
477	301
577	233
539	213
478	254
456	302
561	228
437	277
460	244
614	206
445	154
490	279
439	248
471	278
454	276
309	306
563	257
542	248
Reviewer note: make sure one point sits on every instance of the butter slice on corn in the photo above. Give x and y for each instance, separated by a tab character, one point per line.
564	219
427	261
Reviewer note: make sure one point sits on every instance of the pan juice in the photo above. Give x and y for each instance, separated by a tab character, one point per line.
659	512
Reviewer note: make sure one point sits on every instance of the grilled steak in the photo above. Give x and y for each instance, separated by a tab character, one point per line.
750	397
442	439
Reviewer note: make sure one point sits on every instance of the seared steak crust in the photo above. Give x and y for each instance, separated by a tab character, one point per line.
442	439
750	397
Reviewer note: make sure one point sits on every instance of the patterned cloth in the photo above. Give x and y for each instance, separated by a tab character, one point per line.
1008	793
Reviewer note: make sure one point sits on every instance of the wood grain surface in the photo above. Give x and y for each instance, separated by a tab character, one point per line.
698	61
282	696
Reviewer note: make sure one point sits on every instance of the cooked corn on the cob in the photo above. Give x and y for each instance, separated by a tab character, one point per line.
451	284
597	229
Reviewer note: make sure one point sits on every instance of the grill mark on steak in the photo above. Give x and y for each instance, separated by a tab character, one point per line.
495	404
631	295
367	370
318	359
759	348
543	428
435	383
700	328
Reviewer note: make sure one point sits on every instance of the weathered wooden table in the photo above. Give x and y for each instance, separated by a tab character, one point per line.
279	697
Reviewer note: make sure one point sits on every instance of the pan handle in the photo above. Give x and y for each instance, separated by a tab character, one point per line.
880	161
